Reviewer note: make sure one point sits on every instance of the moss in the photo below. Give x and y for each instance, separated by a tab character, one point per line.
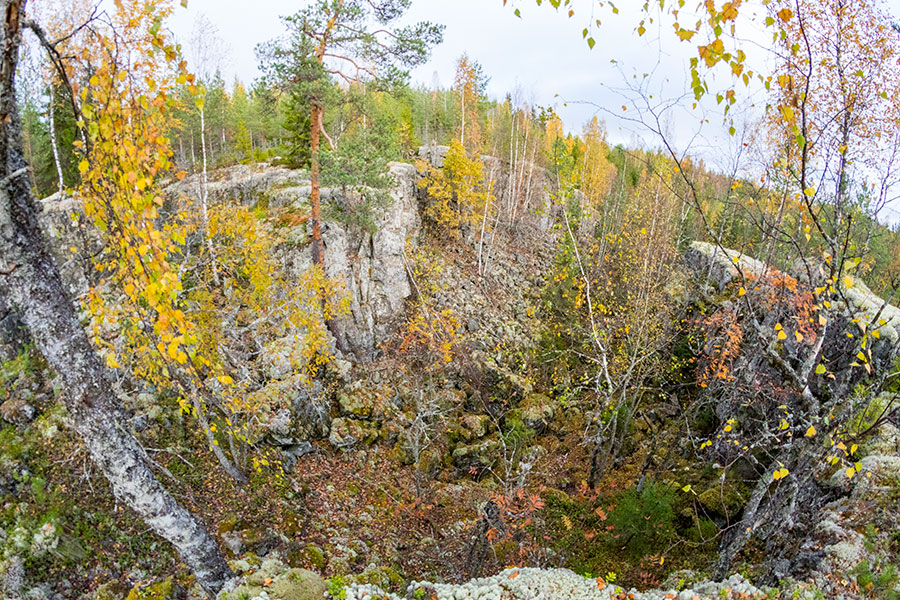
703	530
293	524
13	445
336	587
298	584
160	590
229	523
109	591
724	499
244	592
386	578
315	556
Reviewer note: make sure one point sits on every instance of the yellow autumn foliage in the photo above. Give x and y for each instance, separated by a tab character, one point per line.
458	194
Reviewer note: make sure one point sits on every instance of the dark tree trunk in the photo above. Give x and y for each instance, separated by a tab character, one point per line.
30	281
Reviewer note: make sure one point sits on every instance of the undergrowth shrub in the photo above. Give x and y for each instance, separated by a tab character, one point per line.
644	521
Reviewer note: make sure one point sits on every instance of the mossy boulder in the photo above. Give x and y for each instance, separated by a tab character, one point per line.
230	522
298	584
111	590
537	411
158	590
346	432
315	556
386	578
293	418
481	455
886	441
363	402
506	383
470	428
17	411
279	582
392	430
285	356
722	499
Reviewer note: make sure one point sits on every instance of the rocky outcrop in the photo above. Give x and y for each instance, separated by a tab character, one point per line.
248	185
75	241
722	266
372	265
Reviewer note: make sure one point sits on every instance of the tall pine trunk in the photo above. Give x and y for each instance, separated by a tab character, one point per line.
30	281
318	251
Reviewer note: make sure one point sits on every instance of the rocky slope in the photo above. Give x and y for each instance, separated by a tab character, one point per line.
345	465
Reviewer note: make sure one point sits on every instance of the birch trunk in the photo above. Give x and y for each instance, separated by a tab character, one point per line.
53	144
204	198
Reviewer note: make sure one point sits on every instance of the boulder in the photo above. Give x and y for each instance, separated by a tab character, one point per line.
886	440
722	499
881	469
286	355
347	432
479	456
537	411
17	411
276	581
720	266
472	427
12	576
363	402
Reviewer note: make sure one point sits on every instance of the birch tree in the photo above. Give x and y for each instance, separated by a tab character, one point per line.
30	280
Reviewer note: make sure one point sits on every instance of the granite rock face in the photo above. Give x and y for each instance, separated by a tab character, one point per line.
248	185
372	266
13	337
721	266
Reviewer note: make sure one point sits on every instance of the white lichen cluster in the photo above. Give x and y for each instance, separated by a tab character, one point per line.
549	584
23	540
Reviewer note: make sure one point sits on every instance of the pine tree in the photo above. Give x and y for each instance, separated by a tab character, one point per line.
353	41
